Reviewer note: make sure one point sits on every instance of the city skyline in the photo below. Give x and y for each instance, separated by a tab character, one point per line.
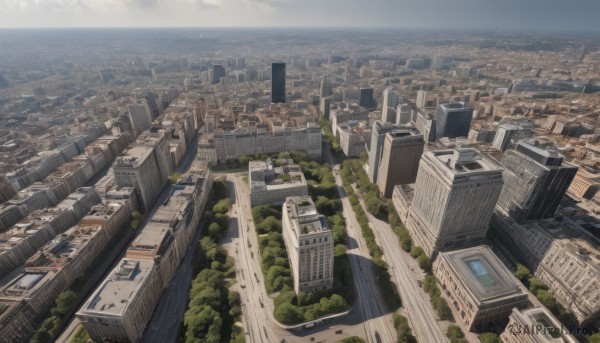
511	15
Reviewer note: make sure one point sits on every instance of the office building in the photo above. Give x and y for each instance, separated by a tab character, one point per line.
120	308
231	145
365	98
325	107
326	89
454	198
272	185
403	114
536	178
7	190
354	137
511	132
140	117
565	256
110	313
402	150
217	72
480	289
309	244
390	101
453	120
378	132
139	168
421	99
585	185
277	82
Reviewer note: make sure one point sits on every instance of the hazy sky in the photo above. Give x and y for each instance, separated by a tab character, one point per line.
572	15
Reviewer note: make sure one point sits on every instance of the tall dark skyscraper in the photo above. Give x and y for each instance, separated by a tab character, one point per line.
365	97
535	180
453	120
277	82
218	73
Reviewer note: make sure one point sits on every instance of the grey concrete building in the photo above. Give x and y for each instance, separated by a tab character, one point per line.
402	150
230	145
120	308
509	132
309	245
140	117
479	288
564	256
536	178
390	101
453	120
454	198
378	133
269	185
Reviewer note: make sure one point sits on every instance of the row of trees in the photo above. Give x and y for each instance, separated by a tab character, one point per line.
353	171
320	179
333	141
274	261
213	309
66	302
439	304
538	288
386	285
403	330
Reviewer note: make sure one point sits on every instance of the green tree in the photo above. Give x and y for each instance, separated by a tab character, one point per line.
595	338
454	332
522	273
417	251
536	285
441	307
406	242
548	300
489	337
287	313
353	339
222	206
63	303
214	231
424	263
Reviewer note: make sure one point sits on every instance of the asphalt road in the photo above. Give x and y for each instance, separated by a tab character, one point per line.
376	318
416	302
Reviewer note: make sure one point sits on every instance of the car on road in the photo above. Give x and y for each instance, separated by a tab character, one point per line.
243	286
377	337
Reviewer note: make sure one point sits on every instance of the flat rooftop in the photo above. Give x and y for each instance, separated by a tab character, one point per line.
462	161
483	273
22	283
133	156
303	212
121	286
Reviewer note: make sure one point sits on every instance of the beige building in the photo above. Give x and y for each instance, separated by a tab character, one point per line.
272	185
309	245
565	257
454	198
28	292
479	288
120	308
585	185
232	144
535	325
402	150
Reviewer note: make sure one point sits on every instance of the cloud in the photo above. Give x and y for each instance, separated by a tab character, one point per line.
265	4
